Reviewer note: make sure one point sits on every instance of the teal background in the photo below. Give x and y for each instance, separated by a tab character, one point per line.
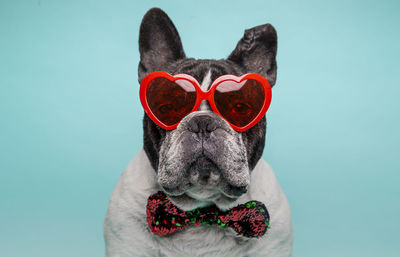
71	117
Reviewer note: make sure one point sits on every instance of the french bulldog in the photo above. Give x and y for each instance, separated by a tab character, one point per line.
202	162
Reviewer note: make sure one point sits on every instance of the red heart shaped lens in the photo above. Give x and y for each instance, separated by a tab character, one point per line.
239	102
170	101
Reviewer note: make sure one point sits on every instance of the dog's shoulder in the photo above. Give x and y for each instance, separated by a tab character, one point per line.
264	187
125	227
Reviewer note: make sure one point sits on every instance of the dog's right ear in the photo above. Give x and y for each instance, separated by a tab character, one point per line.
159	42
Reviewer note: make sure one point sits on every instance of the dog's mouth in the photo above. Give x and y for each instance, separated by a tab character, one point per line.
202	197
189	196
203	180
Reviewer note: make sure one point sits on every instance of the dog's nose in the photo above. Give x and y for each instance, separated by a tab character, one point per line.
202	123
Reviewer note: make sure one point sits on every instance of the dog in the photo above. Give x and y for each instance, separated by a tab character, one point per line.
195	166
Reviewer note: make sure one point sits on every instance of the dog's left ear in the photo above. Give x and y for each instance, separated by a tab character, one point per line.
159	42
256	51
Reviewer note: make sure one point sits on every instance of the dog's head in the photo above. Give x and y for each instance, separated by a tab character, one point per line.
203	161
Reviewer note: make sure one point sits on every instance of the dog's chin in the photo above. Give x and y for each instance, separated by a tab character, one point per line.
198	197
203	194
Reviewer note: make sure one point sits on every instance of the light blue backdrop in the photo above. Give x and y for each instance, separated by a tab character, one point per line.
71	118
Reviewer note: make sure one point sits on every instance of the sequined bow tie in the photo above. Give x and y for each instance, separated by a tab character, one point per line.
250	219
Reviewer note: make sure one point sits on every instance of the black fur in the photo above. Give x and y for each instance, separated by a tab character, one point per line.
161	49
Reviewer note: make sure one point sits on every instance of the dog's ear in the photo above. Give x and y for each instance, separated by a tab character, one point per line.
159	42
256	51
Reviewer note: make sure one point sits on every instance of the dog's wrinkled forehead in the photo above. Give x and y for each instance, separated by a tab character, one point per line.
205	71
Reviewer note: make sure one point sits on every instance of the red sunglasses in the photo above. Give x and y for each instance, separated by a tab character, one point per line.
241	101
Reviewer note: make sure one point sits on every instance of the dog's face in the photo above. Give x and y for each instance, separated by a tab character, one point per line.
203	161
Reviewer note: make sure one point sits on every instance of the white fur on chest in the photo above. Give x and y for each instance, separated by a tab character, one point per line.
127	234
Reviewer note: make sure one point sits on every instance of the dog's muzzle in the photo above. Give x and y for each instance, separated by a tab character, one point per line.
206	145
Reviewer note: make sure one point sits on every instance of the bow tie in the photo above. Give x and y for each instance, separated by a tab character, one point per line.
250	219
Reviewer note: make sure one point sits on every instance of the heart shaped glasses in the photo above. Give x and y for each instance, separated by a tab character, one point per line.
241	101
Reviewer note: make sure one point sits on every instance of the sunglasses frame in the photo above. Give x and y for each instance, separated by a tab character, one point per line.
205	95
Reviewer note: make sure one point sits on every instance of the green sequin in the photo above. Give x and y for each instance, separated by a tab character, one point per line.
178	224
157	222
